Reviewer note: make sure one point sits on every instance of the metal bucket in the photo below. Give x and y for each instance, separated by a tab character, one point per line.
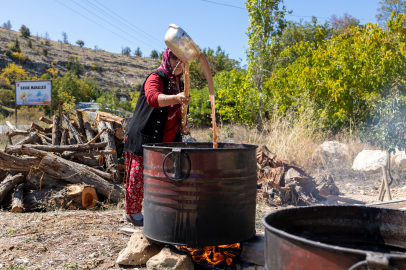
335	237
196	195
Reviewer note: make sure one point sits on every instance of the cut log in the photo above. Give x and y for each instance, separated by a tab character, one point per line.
53	148
17	205
89	132
45	120
119	133
60	107
37	200
33	137
45	140
39	128
77	173
78	197
64	137
13	163
97	136
108	117
55	130
79	113
41	180
126	124
10	182
13	131
111	160
73	154
72	129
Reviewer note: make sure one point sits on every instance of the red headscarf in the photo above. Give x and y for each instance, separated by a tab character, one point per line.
175	80
166	66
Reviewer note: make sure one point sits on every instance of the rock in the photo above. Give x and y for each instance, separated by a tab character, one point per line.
331	152
253	250
170	259
370	160
138	251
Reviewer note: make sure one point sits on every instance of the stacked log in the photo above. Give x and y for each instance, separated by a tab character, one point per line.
61	163
283	182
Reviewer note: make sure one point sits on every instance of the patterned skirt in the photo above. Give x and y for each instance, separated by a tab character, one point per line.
134	192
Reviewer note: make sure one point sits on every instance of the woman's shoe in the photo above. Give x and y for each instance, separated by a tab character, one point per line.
135	222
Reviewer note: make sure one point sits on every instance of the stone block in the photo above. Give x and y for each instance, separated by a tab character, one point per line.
253	250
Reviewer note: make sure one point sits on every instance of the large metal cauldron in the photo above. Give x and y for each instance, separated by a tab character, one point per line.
195	195
335	237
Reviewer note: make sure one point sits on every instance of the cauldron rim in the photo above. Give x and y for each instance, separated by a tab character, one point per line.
170	146
289	236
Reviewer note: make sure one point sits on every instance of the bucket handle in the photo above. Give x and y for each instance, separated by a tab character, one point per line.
374	262
177	164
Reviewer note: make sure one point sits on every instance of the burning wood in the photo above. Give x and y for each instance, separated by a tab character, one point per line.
214	255
46	158
284	182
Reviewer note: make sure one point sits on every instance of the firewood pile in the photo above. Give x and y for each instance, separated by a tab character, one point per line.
283	182
70	164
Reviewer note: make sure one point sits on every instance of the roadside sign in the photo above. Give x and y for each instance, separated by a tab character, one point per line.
33	93
30	93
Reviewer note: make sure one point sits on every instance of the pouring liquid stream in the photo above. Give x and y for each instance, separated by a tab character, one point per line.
213	120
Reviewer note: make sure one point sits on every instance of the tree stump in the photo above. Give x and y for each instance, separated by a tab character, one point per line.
17	201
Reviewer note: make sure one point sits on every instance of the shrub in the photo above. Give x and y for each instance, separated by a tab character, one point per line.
74	65
25	31
29	43
20	56
13	72
45	51
95	67
16	46
8	53
52	72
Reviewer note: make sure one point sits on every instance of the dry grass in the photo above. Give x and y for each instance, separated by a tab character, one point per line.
290	138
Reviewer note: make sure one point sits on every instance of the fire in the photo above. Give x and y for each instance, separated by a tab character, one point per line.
212	254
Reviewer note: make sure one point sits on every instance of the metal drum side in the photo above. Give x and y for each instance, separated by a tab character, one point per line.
335	237
214	205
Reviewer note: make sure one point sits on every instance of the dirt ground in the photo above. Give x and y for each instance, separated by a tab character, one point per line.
93	239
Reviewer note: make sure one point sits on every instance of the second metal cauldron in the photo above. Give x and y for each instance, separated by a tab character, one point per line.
195	195
335	237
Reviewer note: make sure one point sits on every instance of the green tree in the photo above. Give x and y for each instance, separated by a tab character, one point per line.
16	46
386	8
342	77
29	43
65	38
25	31
154	54
266	25
218	61
108	102
80	43
138	52
74	65
301	31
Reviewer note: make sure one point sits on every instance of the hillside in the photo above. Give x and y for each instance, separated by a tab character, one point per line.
117	72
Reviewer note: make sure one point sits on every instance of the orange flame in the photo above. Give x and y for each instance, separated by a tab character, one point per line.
212	254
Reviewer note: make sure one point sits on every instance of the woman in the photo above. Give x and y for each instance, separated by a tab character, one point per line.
156	119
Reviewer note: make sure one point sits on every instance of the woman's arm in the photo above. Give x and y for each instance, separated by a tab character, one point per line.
168	100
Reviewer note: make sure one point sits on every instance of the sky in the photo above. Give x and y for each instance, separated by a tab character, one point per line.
112	25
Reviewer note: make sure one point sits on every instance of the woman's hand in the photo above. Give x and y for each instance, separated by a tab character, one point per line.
182	100
184	129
